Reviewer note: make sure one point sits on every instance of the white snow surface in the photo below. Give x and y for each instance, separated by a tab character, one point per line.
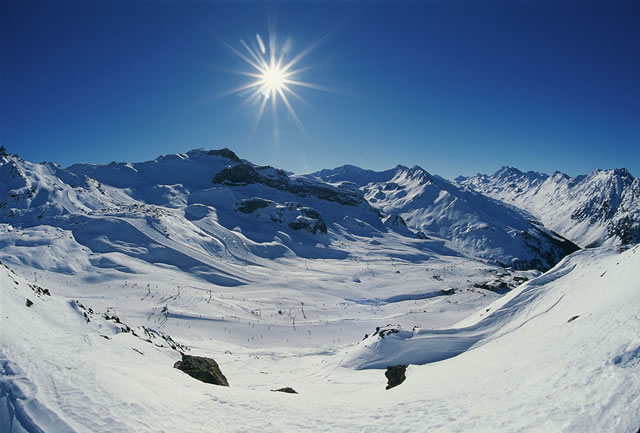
522	366
103	284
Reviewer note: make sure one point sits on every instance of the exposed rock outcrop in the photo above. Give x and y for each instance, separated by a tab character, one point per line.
245	174
202	368
395	375
226	153
286	389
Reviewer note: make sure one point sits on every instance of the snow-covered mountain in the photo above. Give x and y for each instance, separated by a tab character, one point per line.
215	196
469	222
113	274
211	202
602	207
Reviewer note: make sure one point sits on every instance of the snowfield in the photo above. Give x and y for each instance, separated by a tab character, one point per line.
559	353
110	273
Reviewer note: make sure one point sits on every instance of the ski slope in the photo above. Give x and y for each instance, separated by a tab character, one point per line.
560	353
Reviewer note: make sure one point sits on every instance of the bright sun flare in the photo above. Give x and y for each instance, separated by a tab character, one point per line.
273	78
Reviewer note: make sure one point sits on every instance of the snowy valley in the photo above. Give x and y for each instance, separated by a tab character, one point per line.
477	288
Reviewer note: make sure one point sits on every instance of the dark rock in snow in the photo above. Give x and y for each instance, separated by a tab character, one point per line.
225	153
202	368
245	174
286	389
395	375
313	226
396	220
242	174
386	330
421	235
251	205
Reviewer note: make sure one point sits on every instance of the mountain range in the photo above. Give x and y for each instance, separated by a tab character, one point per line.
117	281
199	184
601	208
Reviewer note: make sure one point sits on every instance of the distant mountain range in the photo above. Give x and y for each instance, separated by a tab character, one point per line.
601	208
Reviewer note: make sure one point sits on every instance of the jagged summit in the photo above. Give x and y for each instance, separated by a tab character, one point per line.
416	173
506	174
601	207
512	172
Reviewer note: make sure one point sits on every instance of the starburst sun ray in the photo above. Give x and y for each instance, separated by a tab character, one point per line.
274	77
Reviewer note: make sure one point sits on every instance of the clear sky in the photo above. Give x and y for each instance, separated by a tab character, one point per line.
455	87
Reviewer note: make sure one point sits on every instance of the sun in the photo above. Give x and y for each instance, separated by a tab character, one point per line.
275	73
273	80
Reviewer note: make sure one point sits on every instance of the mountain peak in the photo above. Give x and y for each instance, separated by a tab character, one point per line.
560	175
347	168
415	171
203	153
618	172
507	171
356	175
226	153
616	175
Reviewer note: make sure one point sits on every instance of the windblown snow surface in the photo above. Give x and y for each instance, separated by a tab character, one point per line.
290	283
559	353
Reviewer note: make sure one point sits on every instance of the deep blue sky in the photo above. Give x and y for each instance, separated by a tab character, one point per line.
455	87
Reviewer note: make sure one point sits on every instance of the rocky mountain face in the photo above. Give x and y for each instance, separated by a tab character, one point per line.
602	207
468	221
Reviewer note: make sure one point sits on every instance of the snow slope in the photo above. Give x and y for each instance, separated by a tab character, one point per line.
601	208
513	311
561	353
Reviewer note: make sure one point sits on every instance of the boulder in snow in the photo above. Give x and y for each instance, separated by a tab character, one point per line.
202	368
286	389
395	375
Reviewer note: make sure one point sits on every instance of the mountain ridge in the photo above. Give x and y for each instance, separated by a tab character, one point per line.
299	203
600	208
473	223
